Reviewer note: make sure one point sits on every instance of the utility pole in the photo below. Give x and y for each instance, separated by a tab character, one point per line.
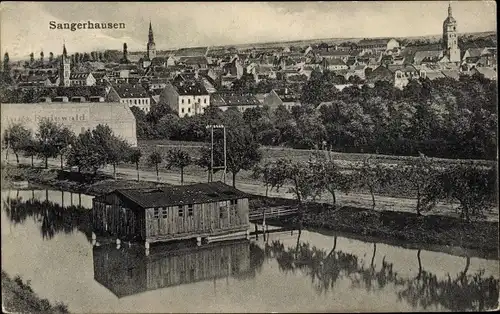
212	167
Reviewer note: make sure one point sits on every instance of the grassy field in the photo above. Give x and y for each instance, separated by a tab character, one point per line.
275	152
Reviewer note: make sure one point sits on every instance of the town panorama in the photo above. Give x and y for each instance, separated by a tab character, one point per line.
350	174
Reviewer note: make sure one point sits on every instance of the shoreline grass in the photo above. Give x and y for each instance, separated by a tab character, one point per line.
19	297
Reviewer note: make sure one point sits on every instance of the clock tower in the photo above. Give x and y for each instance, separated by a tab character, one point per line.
450	39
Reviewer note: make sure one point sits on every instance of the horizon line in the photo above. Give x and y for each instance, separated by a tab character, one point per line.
280	42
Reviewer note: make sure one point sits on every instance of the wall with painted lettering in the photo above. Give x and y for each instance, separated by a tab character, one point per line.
76	116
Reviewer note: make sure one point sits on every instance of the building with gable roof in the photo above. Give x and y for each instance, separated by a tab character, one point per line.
131	94
172	213
187	98
282	96
82	79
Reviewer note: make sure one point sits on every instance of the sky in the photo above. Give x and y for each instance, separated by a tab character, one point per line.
25	25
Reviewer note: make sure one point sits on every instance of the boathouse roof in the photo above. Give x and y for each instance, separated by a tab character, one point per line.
182	194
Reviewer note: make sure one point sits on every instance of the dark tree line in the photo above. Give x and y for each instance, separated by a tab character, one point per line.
441	118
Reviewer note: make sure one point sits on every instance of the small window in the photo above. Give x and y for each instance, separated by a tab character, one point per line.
189	101
204	100
182	101
182	110
222	212
190	210
164	213
234	202
157	213
181	211
189	109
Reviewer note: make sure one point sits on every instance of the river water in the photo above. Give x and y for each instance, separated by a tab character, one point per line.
307	271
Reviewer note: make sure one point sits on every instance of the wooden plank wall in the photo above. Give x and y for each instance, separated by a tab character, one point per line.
205	218
115	219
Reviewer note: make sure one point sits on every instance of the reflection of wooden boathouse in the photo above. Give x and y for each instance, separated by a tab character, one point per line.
127	270
201	210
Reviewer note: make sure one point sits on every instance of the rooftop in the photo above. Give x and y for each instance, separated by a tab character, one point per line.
190	88
130	91
182	195
234	99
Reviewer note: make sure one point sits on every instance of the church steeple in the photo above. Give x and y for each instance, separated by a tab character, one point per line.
64	68
449	10
151	53
150	37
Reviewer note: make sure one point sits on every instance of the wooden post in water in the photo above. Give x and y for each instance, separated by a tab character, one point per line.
256	232
80	199
47	195
62	198
71	198
264	225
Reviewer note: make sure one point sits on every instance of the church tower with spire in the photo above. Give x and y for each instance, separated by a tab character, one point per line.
450	39
64	68
151	44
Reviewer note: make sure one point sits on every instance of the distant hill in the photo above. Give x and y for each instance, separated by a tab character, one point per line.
481	39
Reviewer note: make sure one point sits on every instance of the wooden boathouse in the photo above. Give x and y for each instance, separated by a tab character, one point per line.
171	213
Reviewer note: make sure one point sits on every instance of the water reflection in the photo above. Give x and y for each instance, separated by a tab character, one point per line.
127	271
337	270
53	217
465	292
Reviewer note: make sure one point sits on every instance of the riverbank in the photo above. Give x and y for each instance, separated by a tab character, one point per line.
402	226
385	224
18	297
69	181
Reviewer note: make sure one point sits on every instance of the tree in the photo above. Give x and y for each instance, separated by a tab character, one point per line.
64	139
114	149
327	175
31	150
474	186
32	58
48	140
51	57
299	175
41	57
6	68
17	137
155	159
86	154
53	140
264	172
179	159
419	176
135	157
6	62
370	175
